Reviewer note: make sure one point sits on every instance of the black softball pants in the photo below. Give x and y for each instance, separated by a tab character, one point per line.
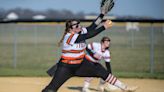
66	71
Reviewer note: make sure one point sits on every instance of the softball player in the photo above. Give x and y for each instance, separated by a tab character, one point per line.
73	61
102	52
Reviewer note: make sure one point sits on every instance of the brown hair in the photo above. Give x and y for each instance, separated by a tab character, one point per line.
104	39
68	25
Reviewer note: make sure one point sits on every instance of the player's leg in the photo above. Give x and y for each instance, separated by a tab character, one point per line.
101	85
106	86
111	79
62	74
86	84
90	69
86	70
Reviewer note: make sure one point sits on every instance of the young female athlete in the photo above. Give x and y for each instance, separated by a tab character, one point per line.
73	61
97	51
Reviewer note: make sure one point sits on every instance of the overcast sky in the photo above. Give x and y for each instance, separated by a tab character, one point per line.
152	8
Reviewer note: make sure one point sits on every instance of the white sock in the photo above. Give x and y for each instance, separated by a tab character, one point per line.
114	81
87	83
120	84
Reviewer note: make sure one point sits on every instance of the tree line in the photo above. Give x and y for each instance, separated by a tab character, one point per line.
56	14
49	13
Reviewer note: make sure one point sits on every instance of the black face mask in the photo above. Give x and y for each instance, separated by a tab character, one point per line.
106	48
76	25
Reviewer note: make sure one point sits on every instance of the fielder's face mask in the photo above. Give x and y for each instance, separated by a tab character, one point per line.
106	40
75	24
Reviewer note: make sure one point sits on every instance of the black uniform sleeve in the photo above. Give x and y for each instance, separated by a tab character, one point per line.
90	34
108	66
95	23
89	51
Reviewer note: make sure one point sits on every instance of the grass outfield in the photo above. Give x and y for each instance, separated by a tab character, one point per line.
37	50
10	72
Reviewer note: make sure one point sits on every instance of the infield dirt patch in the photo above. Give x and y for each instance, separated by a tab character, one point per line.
36	84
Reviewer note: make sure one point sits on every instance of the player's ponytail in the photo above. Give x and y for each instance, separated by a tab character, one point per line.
68	25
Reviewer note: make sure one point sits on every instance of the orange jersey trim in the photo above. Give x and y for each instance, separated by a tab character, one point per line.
72	61
73	58
69	39
72	51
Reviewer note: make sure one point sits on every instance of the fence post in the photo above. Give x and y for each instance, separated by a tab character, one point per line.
15	49
35	35
152	49
132	38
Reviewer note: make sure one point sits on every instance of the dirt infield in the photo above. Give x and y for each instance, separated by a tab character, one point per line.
35	84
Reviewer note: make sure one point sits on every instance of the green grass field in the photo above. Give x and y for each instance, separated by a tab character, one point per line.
37	50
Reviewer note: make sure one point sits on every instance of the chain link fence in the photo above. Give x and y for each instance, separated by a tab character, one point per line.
135	47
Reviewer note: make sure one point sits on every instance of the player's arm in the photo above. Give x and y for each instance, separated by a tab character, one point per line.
89	51
108	66
83	37
95	23
107	59
90	34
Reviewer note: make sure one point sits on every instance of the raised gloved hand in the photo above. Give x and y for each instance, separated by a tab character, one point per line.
106	6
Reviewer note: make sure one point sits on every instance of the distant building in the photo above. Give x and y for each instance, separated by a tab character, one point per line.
132	26
39	17
11	16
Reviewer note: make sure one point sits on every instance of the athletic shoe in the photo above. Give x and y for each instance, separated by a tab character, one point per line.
111	88
130	89
101	88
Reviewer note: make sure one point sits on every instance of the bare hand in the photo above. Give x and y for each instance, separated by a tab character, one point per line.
108	24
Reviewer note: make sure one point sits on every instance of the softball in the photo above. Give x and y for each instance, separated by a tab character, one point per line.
109	22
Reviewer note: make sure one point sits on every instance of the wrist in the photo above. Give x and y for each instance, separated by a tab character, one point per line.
101	15
99	19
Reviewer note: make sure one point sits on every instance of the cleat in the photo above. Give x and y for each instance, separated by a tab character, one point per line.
111	88
101	88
